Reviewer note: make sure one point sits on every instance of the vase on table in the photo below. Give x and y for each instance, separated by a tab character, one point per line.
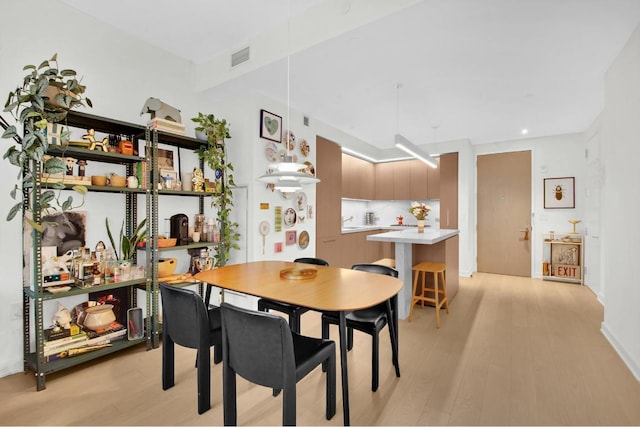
421	226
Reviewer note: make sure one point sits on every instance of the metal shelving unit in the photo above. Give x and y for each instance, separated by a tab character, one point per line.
35	295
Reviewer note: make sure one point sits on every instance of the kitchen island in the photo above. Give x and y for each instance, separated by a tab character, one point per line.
411	247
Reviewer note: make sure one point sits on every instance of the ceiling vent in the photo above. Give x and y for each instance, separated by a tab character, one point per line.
240	56
305	120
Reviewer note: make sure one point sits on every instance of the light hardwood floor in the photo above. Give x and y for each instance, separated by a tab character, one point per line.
513	351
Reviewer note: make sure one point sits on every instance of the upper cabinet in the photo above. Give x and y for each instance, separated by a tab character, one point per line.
358	178
384	181
406	180
449	190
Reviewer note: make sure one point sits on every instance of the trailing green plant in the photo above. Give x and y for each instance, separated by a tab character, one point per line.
128	244
45	96
214	155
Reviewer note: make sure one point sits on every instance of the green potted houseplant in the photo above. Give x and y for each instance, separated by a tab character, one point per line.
214	155
44	96
127	244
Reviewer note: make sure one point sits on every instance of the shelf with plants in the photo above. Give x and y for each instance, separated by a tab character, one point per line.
563	257
42	108
210	153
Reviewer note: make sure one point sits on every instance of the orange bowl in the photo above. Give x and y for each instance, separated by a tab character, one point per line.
167	243
98	180
118	181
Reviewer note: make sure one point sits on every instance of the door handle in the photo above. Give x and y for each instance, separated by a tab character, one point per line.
526	233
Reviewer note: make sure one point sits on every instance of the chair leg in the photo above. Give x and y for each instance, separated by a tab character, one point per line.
436	295
392	335
331	386
349	339
229	396
294	322
168	360
204	380
289	405
375	359
444	292
413	295
217	354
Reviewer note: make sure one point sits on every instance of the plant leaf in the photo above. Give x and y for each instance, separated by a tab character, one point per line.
14	210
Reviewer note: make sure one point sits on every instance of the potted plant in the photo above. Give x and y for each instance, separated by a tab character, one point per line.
44	96
214	154
127	244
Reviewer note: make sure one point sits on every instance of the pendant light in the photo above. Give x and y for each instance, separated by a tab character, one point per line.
407	146
287	176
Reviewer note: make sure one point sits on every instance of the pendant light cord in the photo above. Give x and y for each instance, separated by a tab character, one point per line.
398	86
288	75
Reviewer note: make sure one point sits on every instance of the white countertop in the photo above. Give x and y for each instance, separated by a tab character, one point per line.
361	228
411	235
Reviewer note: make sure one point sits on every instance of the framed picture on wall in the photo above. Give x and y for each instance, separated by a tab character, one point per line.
270	126
559	193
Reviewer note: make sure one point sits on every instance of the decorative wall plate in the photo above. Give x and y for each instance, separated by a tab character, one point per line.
271	152
304	147
290	138
310	169
290	217
303	240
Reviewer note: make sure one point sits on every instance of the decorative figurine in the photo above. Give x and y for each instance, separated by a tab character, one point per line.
70	161
62	317
198	180
161	110
81	165
91	137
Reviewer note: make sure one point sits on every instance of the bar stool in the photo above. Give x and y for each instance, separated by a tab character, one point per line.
437	269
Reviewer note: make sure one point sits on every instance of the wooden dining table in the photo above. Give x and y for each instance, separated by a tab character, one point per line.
330	289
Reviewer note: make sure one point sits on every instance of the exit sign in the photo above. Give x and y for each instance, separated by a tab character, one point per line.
569	271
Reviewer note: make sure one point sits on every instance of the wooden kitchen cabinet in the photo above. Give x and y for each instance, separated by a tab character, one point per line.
329	189
402	180
358	178
384	181
419	184
433	181
449	190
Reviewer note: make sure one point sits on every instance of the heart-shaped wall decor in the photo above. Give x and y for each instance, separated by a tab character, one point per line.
271	125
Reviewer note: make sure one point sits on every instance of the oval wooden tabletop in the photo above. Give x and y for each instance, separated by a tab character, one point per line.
333	289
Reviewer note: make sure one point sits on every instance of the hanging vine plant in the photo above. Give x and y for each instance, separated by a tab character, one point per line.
44	96
214	155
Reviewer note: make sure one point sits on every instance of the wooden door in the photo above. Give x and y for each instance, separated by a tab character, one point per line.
504	211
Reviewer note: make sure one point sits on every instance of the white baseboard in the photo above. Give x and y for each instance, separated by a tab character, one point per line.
626	357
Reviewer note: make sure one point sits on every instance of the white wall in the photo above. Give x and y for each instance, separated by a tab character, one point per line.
120	74
621	204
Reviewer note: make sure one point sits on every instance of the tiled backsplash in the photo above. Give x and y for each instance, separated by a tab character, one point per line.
387	211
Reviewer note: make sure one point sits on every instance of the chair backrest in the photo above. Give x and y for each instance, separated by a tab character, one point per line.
258	346
184	315
376	268
316	261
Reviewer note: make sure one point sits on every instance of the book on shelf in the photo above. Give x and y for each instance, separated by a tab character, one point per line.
141	174
64	354
87	342
166	125
64	341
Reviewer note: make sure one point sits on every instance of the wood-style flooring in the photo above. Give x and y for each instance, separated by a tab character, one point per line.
512	351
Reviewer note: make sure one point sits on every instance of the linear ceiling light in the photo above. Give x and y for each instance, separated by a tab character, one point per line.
407	146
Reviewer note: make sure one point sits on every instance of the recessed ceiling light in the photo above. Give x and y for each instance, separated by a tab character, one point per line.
524	131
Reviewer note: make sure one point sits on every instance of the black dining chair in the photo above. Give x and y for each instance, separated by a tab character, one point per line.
370	321
261	348
186	321
293	311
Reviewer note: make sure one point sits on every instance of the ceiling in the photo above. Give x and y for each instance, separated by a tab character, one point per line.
481	70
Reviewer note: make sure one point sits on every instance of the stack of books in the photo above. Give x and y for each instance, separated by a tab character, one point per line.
83	342
166	126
